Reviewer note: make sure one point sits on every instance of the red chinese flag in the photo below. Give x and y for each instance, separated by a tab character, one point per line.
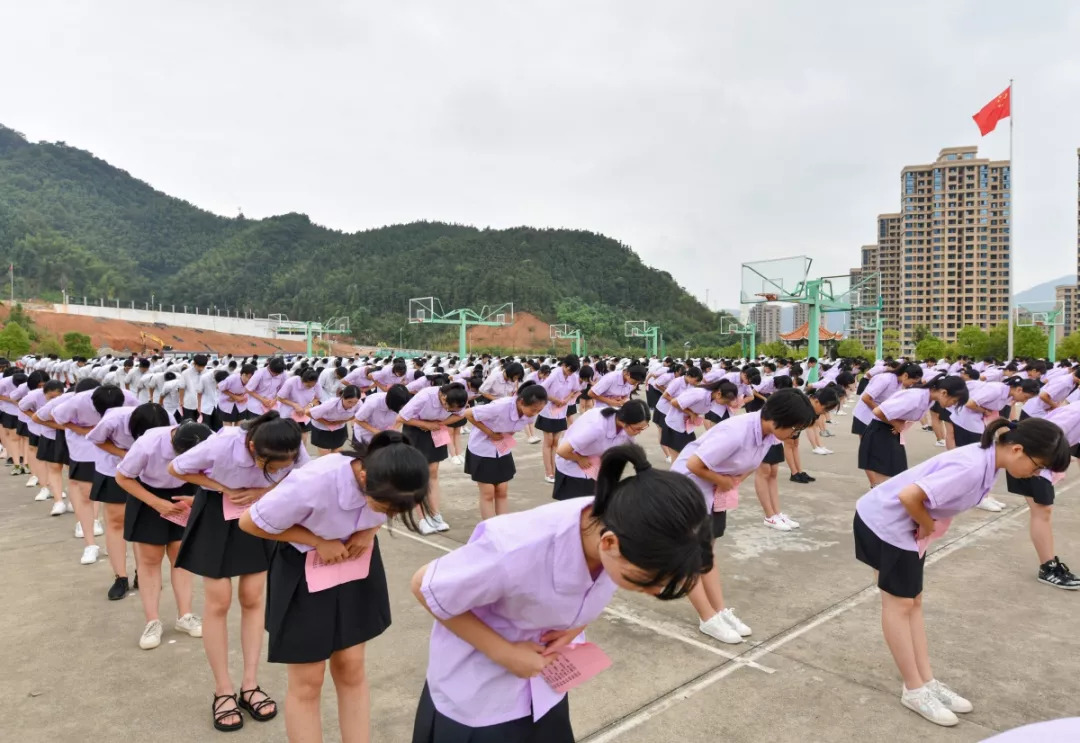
993	112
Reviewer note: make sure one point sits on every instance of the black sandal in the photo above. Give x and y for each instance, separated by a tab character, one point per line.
256	709
220	714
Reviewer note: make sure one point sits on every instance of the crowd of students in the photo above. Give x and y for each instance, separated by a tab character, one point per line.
206	461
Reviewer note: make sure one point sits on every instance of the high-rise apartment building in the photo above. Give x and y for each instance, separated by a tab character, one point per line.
800	315
944	258
766	317
1067	293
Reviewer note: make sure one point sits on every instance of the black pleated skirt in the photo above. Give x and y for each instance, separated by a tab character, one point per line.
550	425
309	627
490	470
862	385
105	490
1038	488
652	396
659	417
329	439
963	437
81	471
459	424
857	426
213	420
144	525
215	548
571	410
53	450
715	418
21	429
33	438
421	440
676	440
432	726
775	455
235	415
880	450
567	487
9	421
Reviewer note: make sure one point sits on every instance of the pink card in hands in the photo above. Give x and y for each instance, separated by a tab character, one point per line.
940	527
231	510
180	519
593	470
440	436
903	438
300	417
321	576
558	410
574	665
692	422
505	444
727	500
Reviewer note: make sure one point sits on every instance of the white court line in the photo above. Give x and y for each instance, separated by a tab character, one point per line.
669	700
659	629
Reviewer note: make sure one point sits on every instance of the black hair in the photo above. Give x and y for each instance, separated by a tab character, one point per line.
572	361
349	392
637	372
913	371
514	370
455	394
782	382
1038	437
1027	386
248	369
170	376
586	372
87	384
827	397
726	389
309	375
633	412
531	393
659	519
19	378
53	385
273	438
106	396
1039	366
396	397
693	373
220	376
399	367
275	365
845	379
200	359
788	408
146	416
188	434
36	379
753	376
954	387
396	475
340	372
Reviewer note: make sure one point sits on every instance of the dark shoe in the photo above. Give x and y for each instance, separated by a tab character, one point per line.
222	709
807	478
799	477
1057	574
254	707
119	589
135	582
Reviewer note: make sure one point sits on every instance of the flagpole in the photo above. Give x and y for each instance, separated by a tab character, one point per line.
1012	220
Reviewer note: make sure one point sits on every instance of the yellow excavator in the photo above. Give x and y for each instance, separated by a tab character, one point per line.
150	337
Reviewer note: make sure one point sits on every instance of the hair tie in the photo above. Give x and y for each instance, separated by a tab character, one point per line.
643	467
1012	425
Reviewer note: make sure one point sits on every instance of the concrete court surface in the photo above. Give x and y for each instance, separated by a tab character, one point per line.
815	669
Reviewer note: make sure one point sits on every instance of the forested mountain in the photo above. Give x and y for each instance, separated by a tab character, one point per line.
71	221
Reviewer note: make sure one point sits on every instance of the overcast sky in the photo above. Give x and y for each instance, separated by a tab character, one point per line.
701	133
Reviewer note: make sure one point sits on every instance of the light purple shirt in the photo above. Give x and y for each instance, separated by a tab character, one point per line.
148	459
386	376
735	446
522	574
113	428
559	386
323	497
1067	417
28	406
225	459
293	390
674	389
79	410
359	377
612	384
331	410
696	400
907	405
425	406
590	435
7	386
235	385
498	385
660	380
1057	389
501	416
374	412
990	395
880	388
264	383
17	395
418	384
44	413
953	482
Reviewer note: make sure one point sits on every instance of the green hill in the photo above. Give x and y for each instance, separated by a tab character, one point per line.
70	221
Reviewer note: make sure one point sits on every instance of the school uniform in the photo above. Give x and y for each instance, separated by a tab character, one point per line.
170	398
266	384
148	462
764	388
209	405
559	386
612	384
1040	488
78	410
425	406
590	436
294	391
213	547
498	385
735	447
325	498
482	460
385	378
968	425
21	419
885	532
1057	389
881	388
655	388
9	411
524	574
114	428
191	384
675	434
374	412
331	435
880	449
52	444
663	406
28	405
360	377
232	411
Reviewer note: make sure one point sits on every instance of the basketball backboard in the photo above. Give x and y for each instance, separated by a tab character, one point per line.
778	279
635	328
422	309
728	325
1050	313
850	292
502	314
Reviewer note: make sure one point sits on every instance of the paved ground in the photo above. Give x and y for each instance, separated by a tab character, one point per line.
816	669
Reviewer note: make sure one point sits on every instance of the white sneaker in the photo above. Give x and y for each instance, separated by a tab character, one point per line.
427	526
924	702
822	450
734	622
840	412
535	439
940	443
988	504
189	623
58	510
99	529
718	629
78	530
440	525
667	459
43	494
549	478
996	502
457	459
67	506
90	555
775	522
151	636
33	482
952	701
789	521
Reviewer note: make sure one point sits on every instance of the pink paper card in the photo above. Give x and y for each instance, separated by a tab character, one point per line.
231	510
692	422
321	576
558	410
574	665
593	470
991	417
726	500
300	417
440	437
505	444
903	438
941	526
181	519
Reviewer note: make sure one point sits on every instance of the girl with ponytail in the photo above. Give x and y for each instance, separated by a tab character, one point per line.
882	385
590	436
528	583
894	521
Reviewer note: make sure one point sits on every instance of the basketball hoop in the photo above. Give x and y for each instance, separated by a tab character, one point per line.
769	297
